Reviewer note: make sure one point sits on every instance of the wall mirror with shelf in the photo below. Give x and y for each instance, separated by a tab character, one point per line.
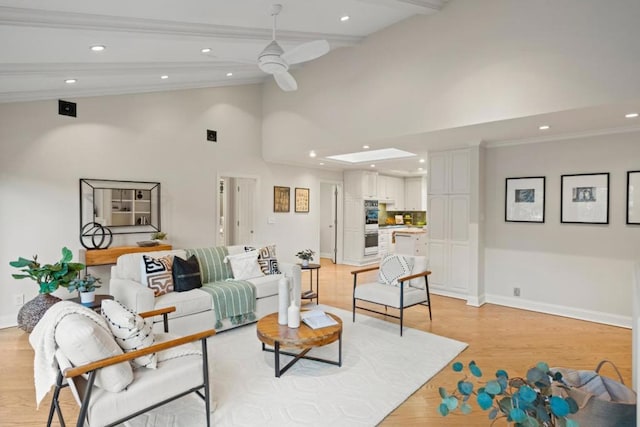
125	207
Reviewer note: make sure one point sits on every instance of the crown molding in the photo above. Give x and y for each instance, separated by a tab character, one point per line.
84	21
42	95
564	136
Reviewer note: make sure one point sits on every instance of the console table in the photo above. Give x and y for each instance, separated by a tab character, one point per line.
94	257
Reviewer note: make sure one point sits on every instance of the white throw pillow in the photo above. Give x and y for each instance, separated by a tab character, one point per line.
83	341
131	332
392	267
245	265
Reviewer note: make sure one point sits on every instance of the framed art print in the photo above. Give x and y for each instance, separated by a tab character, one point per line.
584	198
524	199
633	197
281	196
302	200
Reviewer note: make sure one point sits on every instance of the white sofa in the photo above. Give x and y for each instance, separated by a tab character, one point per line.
194	308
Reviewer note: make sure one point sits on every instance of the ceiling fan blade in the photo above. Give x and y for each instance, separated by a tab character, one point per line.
286	81
306	52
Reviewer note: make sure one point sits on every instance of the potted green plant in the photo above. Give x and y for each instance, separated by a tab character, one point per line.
306	255
86	287
49	277
159	235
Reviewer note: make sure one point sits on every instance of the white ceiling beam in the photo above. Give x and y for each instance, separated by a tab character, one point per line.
419	6
131	68
83	21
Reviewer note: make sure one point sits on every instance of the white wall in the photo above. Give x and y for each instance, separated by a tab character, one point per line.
473	62
150	137
580	270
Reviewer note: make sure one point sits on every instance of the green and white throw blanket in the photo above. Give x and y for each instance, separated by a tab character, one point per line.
233	299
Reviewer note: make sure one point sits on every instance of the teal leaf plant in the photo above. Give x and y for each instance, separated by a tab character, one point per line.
525	402
48	276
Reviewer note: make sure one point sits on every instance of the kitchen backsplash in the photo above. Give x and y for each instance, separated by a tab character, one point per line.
386	217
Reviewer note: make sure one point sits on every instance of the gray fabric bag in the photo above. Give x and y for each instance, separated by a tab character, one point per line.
602	401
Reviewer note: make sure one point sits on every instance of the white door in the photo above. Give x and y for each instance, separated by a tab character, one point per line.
244	196
328	220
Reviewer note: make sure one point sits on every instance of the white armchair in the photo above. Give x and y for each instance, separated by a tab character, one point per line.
108	391
412	289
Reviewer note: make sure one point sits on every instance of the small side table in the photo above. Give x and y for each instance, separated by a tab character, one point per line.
97	303
311	294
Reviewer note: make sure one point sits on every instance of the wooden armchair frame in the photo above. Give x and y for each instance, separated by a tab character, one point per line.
401	285
92	368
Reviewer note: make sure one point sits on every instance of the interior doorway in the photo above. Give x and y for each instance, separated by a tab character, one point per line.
330	226
236	210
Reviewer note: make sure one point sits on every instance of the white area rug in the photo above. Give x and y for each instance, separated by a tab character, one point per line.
380	370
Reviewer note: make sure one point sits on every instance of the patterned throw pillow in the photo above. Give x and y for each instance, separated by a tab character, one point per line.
156	273
392	267
266	258
131	332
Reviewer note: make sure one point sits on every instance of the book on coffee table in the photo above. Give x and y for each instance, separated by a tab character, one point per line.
317	319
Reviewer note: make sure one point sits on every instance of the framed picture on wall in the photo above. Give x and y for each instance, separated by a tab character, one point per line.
281	196
633	197
584	198
302	200
524	199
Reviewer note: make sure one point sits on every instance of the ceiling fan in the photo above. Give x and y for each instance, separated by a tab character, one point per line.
274	60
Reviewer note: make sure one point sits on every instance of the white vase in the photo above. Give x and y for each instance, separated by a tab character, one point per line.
305	263
293	315
87	298
283	300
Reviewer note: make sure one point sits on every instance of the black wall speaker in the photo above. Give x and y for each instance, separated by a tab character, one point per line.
212	135
66	108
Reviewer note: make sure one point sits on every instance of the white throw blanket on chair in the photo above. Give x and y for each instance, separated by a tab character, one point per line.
42	339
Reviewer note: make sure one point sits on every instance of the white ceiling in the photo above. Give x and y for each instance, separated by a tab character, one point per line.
46	42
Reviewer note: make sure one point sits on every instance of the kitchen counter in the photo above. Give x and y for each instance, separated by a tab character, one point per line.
411	231
400	226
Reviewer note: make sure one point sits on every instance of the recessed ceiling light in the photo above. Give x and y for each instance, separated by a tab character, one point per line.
164	77
70	81
321	164
419	169
373	166
205	50
544	127
97	48
365	147
312	153
344	18
631	115
229	74
421	160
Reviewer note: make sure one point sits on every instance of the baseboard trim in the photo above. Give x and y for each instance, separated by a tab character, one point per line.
560	310
434	289
8	321
476	301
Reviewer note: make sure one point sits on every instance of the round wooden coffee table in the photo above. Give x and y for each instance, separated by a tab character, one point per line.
303	338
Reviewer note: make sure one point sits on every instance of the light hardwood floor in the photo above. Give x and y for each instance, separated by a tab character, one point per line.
498	338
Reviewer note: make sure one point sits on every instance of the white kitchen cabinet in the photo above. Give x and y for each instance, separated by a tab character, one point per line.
361	184
449	210
415	198
391	191
449	172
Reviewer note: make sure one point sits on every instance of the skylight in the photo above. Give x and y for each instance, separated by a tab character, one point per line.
372	155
